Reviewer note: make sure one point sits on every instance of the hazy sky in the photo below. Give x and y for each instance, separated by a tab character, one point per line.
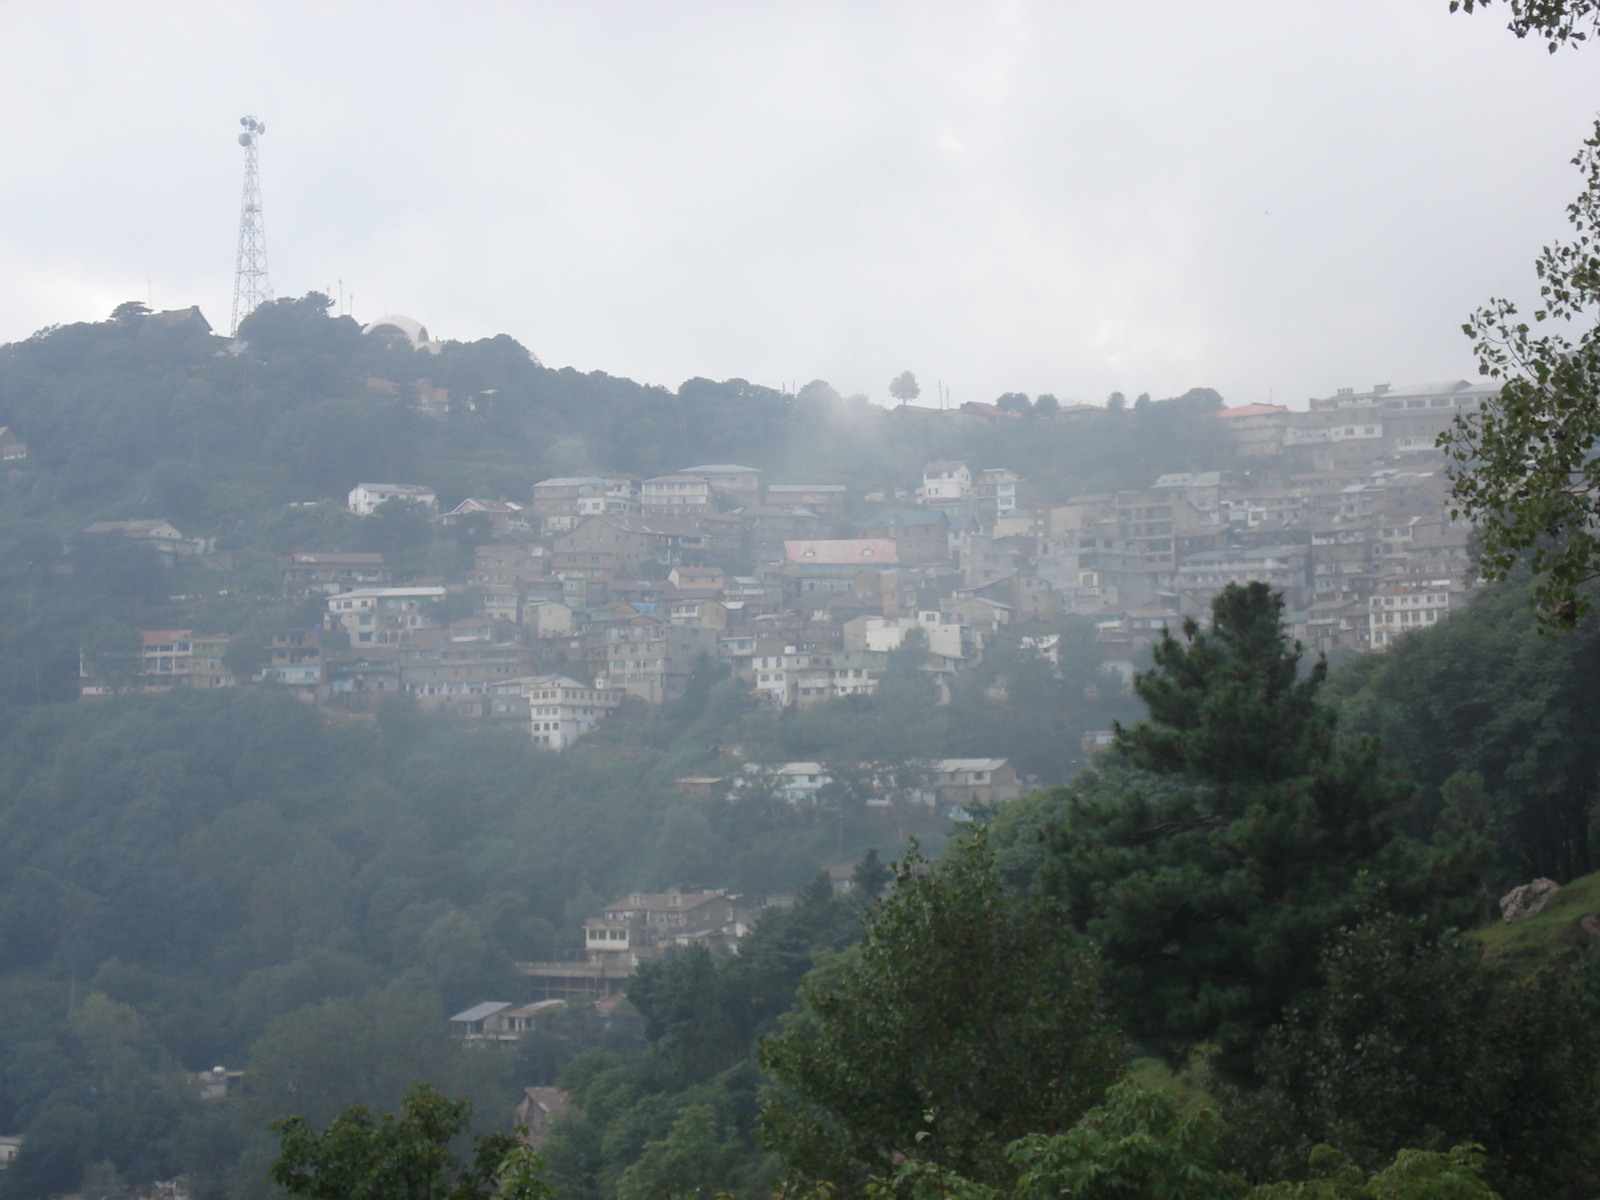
1273	199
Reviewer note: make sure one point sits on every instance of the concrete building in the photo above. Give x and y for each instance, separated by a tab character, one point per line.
381	616
945	484
561	504
307	575
556	711
366	497
652	660
740	485
687	496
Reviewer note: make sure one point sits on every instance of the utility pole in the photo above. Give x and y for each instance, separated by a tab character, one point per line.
250	284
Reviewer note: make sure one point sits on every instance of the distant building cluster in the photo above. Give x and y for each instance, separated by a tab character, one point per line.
599	588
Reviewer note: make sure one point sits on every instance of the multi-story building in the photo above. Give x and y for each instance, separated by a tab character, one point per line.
474	656
382	616
294	661
777	676
359	678
652	660
561	504
831	565
945	484
1201	577
920	535
306	575
555	710
1000	493
166	658
767	527
739	485
508	562
1400	608
635	540
208	667
686	496
823	499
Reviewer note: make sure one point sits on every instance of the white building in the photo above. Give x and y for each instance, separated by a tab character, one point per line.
377	616
777	676
945	483
741	483
558	710
1404	608
795	781
365	497
676	496
947	635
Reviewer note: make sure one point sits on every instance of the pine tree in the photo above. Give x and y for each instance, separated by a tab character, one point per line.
1213	883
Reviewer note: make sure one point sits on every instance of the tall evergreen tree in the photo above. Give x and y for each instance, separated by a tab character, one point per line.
1213	887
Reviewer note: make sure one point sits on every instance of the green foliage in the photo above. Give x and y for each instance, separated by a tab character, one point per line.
1557	21
1413	1042
691	1160
683	1110
365	1051
960	1023
116	1102
1456	1174
1508	715
903	387
1211	896
1138	1143
404	1157
1555	930
1523	465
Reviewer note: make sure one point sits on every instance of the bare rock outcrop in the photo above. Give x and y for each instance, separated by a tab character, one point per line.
1523	902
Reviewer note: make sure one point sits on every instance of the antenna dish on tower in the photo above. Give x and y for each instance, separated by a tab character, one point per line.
251	288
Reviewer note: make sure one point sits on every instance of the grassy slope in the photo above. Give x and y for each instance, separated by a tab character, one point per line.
1557	928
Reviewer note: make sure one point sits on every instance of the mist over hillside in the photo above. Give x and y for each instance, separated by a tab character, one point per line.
352	682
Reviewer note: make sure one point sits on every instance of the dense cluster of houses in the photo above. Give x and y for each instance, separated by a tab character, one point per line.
603	586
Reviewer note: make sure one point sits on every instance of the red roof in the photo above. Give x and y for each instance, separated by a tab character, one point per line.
1250	410
866	552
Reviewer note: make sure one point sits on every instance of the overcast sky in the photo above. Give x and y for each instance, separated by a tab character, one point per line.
1272	199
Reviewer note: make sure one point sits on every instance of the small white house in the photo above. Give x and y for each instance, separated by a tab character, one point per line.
365	497
945	483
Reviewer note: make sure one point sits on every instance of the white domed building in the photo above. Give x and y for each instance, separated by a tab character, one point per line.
409	327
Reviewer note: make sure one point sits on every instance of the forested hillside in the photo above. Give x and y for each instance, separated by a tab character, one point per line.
1258	893
139	418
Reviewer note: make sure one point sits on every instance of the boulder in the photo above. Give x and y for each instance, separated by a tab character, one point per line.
1522	902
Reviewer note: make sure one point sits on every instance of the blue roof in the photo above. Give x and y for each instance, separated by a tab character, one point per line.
884	520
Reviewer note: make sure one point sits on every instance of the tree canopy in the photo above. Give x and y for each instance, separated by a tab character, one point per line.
1524	465
1211	879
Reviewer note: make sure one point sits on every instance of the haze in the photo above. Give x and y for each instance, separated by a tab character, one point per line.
1270	199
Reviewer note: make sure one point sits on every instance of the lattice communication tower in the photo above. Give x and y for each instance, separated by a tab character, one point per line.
250	284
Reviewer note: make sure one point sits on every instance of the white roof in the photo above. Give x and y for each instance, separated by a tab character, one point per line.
392	593
479	1011
544	681
949	765
721	468
1189	479
575	480
396	489
416	332
792	768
